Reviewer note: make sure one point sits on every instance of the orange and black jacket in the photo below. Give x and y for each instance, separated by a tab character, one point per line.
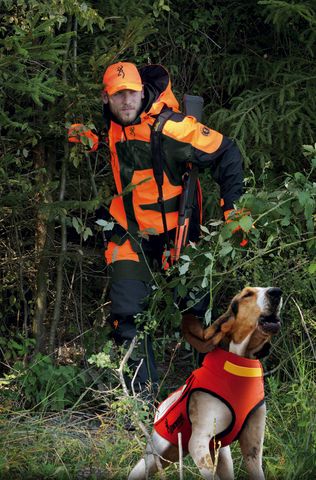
184	141
237	381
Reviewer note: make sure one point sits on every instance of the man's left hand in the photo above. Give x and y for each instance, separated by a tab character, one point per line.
243	217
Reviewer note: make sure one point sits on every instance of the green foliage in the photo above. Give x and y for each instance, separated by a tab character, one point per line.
290	414
281	237
47	386
16	348
254	64
104	359
255	68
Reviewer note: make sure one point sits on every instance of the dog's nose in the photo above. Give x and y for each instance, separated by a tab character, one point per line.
274	293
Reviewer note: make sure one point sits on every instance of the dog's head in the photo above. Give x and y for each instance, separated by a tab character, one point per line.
251	319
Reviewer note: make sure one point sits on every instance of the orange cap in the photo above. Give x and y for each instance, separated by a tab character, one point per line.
121	76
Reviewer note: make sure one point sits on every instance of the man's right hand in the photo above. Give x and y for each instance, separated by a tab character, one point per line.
78	133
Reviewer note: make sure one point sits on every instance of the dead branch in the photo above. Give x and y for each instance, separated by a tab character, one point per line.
138	422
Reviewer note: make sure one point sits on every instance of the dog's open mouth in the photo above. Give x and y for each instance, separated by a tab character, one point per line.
270	323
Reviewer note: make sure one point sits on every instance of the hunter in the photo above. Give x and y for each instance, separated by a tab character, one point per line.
137	104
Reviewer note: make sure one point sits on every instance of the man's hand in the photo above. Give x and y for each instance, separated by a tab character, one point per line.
78	133
245	223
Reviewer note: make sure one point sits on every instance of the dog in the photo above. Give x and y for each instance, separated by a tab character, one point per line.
205	416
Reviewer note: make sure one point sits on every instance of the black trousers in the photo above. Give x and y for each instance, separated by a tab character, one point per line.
128	298
131	265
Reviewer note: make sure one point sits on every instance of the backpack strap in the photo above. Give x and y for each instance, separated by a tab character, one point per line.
158	163
190	184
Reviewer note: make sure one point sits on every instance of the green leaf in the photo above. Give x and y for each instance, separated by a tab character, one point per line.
208	316
105	224
87	233
312	268
309	148
182	290
184	268
75	223
204	229
205	282
228	229
246	223
303	198
225	250
216	223
286	222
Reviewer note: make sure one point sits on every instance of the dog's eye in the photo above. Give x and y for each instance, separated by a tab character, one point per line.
248	294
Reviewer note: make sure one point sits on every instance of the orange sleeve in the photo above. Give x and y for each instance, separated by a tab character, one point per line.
195	133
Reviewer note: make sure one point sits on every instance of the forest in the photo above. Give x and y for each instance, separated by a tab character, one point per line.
63	408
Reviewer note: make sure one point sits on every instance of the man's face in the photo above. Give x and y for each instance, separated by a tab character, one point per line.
125	105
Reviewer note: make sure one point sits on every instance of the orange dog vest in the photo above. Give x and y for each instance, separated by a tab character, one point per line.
237	381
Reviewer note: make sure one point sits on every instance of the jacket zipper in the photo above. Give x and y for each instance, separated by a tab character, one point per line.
123	135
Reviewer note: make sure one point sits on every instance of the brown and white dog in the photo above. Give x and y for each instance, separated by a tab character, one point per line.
234	339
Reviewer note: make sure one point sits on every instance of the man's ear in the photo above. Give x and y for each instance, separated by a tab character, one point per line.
105	98
143	92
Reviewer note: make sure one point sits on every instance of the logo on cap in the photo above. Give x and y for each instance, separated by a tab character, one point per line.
120	71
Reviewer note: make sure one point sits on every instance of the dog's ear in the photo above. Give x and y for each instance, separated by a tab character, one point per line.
193	332
205	340
220	328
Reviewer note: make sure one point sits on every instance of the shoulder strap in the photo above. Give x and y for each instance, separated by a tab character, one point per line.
155	140
158	162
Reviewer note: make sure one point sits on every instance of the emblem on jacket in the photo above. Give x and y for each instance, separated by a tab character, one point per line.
205	131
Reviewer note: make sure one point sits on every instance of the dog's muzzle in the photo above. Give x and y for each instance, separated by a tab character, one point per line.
270	322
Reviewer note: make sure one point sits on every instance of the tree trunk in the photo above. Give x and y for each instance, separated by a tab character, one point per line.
44	236
61	259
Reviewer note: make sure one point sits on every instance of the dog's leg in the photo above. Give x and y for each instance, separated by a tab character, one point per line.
200	452
204	406
251	443
163	449
225	469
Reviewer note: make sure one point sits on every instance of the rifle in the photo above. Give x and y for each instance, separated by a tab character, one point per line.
193	106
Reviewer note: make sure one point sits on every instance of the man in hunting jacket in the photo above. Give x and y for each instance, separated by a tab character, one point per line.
145	214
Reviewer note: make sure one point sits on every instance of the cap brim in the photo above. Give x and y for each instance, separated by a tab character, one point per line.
124	86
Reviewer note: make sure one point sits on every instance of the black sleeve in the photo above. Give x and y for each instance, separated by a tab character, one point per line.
227	170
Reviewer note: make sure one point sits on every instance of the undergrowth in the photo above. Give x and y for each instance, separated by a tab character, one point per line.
78	445
68	421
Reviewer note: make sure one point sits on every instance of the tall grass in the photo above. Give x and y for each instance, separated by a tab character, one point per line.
290	444
81	445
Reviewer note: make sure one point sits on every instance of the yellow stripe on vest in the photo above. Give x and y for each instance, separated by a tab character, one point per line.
242	371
